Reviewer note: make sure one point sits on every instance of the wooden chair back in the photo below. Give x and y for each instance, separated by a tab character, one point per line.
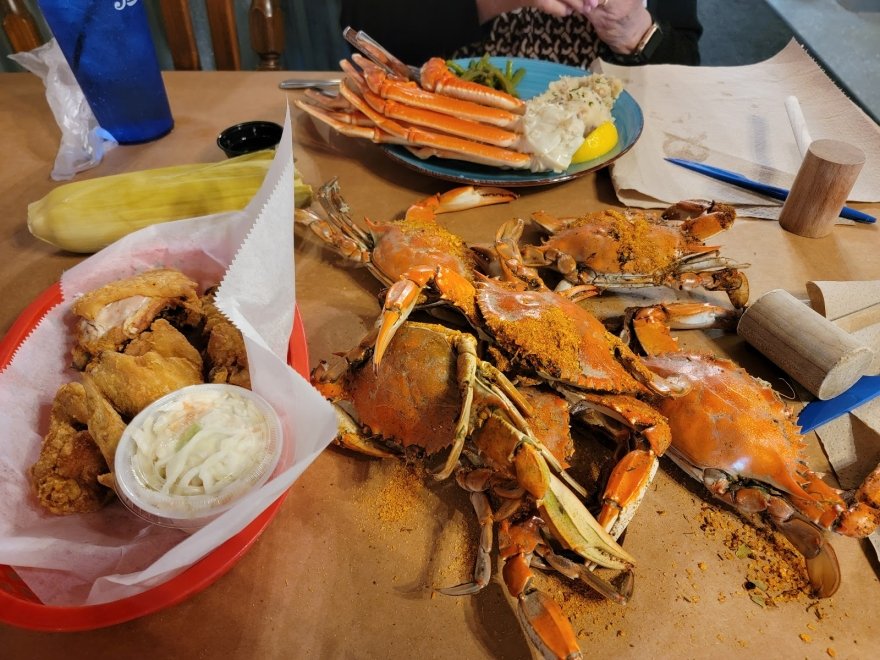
265	25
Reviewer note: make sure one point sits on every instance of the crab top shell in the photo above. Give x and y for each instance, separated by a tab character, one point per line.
413	397
399	245
555	338
613	241
728	423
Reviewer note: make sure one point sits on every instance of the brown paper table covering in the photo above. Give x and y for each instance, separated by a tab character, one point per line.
335	575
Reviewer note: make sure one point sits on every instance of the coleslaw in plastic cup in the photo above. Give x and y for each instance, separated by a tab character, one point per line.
190	455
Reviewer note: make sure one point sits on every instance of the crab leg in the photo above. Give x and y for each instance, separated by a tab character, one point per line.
702	218
437	77
577	571
459	199
476	482
402	297
436	121
540	617
819	555
651	325
474	373
630	478
578	530
350	436
344	245
414	96
470	150
626	487
328	101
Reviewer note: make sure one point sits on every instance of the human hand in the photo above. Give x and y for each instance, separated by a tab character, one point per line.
619	23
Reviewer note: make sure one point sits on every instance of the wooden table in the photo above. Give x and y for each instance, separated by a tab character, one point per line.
347	568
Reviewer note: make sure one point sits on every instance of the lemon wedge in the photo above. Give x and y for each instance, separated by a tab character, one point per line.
598	142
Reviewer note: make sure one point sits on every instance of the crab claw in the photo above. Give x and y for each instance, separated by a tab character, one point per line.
576	528
820	558
349	436
400	300
459	199
546	626
549	631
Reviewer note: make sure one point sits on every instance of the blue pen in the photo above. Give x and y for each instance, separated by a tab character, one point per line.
775	192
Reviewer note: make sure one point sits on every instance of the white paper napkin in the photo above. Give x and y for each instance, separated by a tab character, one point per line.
110	554
735	118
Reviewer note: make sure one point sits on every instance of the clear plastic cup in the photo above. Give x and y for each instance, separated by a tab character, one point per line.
110	50
190	455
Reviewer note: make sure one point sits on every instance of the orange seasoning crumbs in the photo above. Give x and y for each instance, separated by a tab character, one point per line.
438	237
549	336
399	496
644	247
775	572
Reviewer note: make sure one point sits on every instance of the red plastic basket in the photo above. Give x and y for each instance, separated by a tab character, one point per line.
20	607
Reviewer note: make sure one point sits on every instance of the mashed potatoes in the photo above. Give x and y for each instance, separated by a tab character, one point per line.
557	121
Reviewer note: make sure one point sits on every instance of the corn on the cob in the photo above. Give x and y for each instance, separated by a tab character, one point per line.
85	216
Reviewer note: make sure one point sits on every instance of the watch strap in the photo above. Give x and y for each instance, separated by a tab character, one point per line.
645	48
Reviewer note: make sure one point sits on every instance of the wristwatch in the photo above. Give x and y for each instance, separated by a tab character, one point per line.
645	48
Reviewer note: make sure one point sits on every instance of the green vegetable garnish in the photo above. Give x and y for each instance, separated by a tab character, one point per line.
482	71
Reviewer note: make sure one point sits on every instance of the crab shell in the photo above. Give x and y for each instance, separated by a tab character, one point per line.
414	398
558	339
732	422
633	248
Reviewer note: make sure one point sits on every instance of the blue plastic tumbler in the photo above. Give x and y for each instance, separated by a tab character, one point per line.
111	53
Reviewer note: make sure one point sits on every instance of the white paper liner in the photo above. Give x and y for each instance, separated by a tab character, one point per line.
111	554
735	118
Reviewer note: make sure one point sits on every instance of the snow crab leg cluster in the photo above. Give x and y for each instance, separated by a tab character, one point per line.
441	116
433	112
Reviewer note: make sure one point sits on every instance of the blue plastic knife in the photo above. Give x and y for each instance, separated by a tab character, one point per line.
817	413
741	181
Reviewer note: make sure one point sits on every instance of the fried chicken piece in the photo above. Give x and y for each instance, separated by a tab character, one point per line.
65	475
225	353
166	340
104	423
132	382
118	311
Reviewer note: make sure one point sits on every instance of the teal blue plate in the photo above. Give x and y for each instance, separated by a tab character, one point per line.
539	74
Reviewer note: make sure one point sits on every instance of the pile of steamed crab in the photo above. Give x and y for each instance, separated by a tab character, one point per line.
491	400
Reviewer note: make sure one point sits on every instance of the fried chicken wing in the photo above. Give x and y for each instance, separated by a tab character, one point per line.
166	340
225	353
118	311
65	475
132	382
104	423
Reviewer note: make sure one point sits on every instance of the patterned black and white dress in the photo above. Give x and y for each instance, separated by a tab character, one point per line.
532	33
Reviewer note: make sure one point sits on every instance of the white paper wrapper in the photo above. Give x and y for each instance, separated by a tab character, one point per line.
111	554
735	118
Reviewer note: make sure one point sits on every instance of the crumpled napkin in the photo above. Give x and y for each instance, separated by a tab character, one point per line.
83	141
735	118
